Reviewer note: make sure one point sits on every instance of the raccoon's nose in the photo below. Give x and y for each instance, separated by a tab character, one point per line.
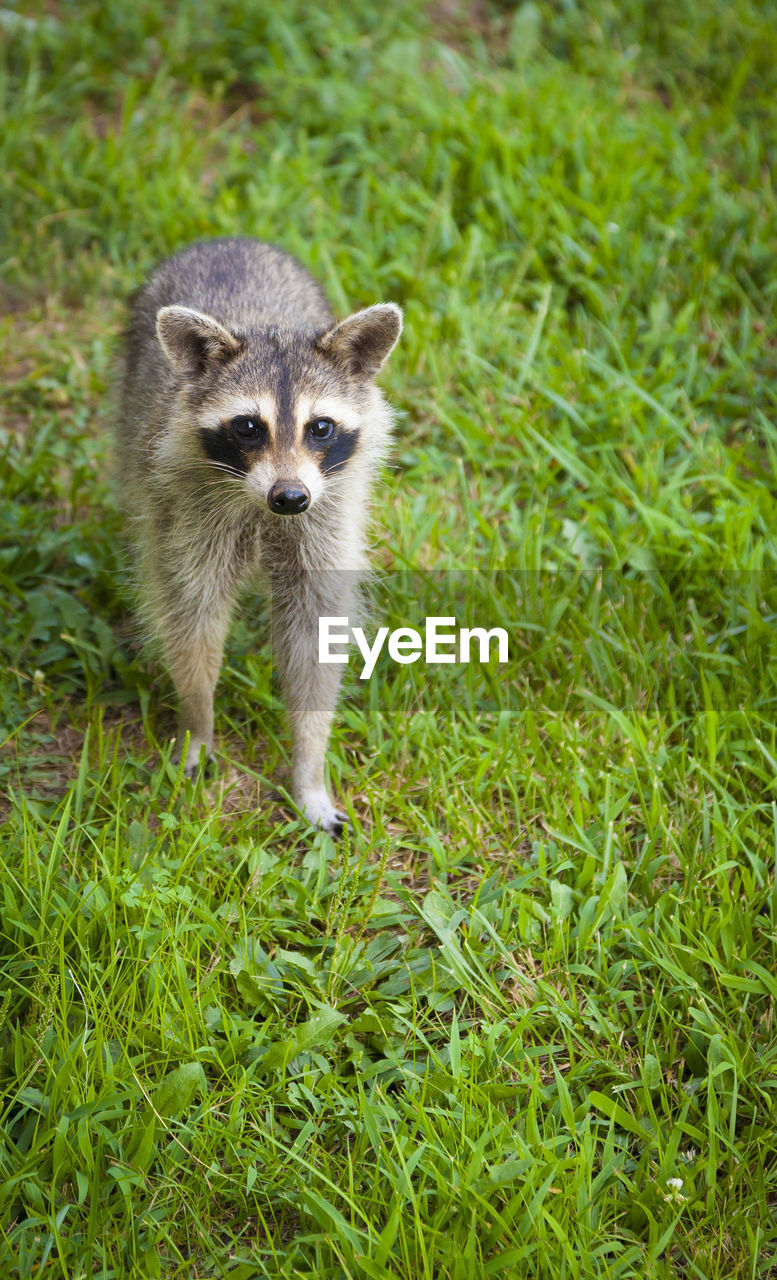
288	497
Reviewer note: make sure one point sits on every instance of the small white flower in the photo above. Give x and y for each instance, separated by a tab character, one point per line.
674	1188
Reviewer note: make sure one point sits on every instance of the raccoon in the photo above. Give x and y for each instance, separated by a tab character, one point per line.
249	436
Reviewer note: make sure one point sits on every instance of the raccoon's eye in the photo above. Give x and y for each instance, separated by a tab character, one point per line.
320	428
247	428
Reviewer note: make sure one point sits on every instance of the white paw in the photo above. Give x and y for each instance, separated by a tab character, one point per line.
199	752
320	812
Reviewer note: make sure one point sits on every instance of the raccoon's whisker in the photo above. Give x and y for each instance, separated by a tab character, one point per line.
209	524
327	497
225	467
214	517
209	469
207	482
324	499
224	494
209	528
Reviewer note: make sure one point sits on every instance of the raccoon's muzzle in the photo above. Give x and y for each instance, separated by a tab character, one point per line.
288	498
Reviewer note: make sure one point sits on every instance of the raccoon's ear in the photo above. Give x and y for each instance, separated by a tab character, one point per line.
194	342
365	340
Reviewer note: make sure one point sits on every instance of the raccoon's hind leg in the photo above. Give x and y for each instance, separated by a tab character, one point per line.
310	688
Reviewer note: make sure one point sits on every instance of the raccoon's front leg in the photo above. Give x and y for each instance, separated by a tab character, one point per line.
194	652
310	691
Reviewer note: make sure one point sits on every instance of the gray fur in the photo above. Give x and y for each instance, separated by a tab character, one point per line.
363	341
224	329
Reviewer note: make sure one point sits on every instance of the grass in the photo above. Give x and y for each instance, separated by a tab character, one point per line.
522	1024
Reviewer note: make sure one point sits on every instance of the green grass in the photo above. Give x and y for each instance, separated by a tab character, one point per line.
521	1025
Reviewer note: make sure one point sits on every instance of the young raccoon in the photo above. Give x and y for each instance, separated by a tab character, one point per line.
249	435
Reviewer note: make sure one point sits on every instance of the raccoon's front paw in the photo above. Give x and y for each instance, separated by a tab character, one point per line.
199	752
320	812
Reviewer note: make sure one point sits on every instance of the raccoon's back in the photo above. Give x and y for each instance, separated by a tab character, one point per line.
240	282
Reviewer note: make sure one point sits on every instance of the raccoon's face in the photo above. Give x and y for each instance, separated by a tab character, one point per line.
282	412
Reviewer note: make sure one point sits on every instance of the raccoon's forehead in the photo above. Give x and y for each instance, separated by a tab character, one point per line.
276	362
283	379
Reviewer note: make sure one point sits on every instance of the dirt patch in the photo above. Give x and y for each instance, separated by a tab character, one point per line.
456	23
42	759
